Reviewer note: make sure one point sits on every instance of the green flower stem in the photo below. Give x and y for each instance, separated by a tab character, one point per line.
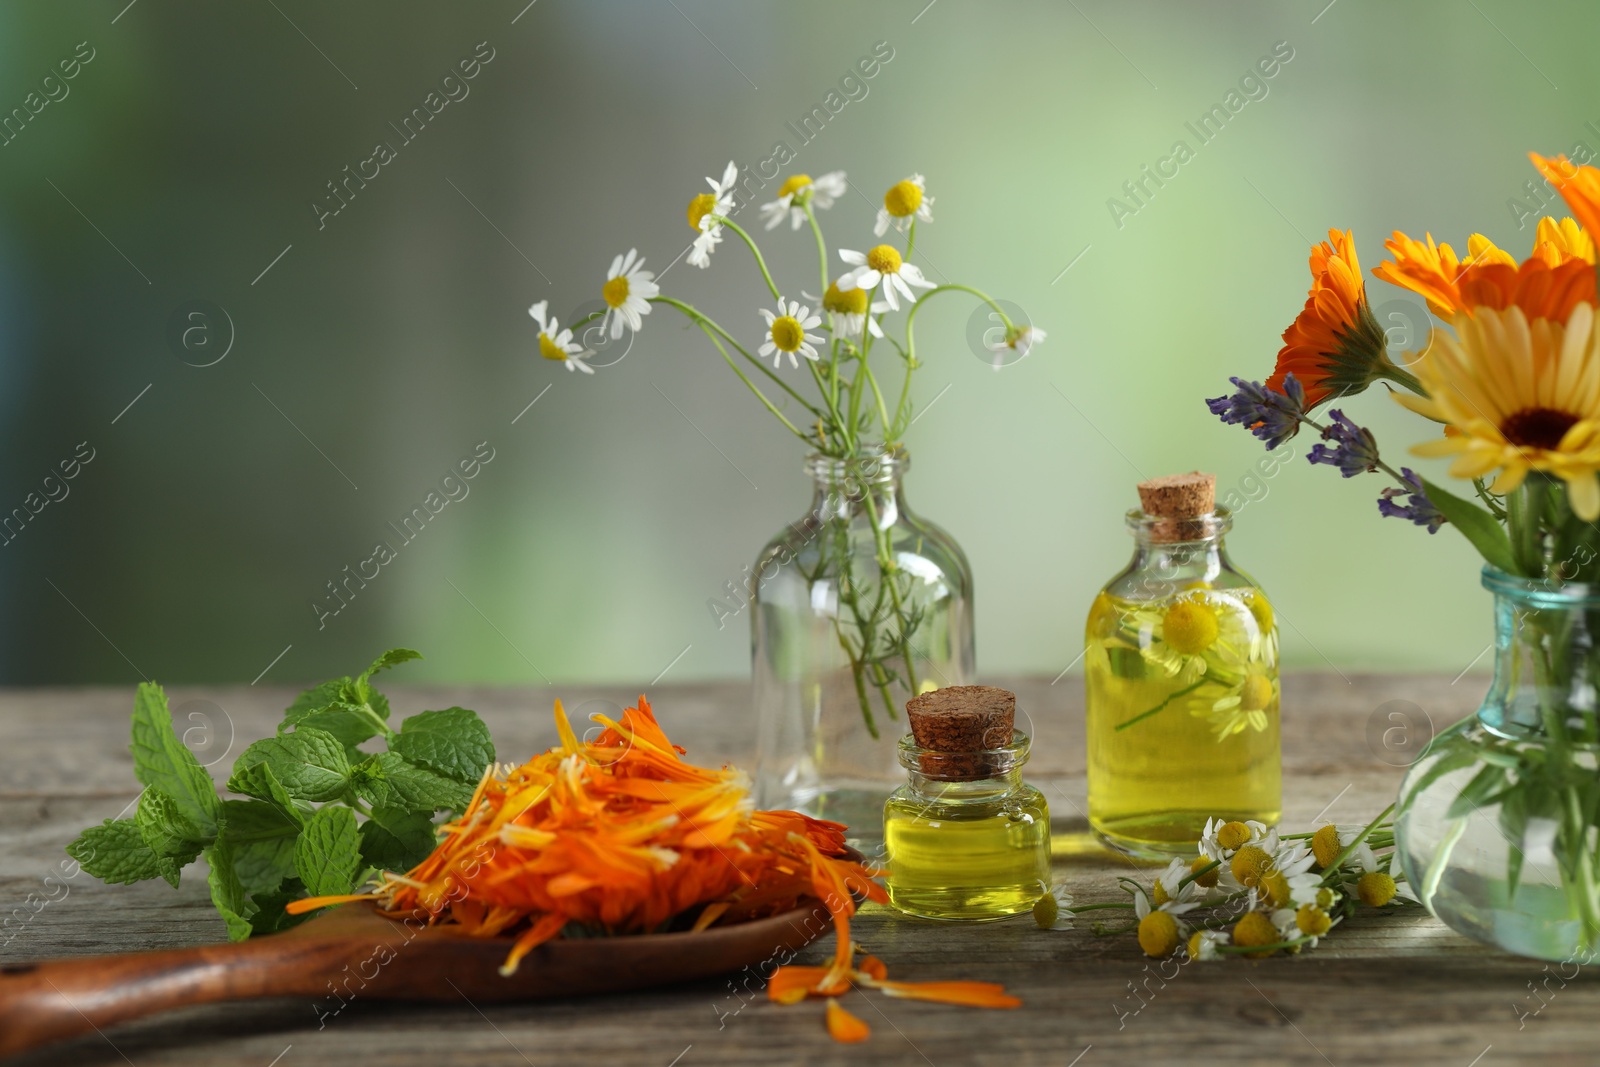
1387	369
1274	947
822	251
709	324
911	236
1338	861
752	385
760	262
1207	869
911	340
1185	691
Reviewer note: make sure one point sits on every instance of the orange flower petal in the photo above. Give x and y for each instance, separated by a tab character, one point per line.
971	994
874	968
845	1027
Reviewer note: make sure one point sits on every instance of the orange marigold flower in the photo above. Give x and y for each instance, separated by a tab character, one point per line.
1335	347
1557	277
1578	186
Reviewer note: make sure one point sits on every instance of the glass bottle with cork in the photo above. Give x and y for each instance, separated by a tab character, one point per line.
965	837
1181	671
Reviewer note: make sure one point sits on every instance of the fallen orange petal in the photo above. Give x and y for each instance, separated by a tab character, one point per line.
972	994
300	907
846	1027
874	968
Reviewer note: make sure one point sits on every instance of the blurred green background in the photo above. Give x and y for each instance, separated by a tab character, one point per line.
382	347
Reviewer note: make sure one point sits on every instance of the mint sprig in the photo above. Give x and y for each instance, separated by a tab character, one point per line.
320	814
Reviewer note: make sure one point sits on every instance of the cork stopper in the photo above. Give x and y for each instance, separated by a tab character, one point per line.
958	725
1180	504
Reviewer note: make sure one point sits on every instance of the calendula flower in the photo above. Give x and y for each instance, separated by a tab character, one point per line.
882	265
905	200
1548	285
1347	446
556	343
1520	396
1203	944
1556	242
706	210
1053	911
1419	510
797	191
1335	347
627	293
848	311
1019	340
1578	186
786	332
1272	415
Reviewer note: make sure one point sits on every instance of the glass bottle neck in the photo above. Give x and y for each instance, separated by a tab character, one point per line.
1003	783
1547	658
1172	554
866	484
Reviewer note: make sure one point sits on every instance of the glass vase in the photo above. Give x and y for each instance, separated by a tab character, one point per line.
1495	823
857	607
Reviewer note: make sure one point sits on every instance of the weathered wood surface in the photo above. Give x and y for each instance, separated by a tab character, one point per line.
1385	989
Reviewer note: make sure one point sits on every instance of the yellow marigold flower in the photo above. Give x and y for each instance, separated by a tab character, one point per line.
1519	395
1256	929
1375	888
1158	934
1190	626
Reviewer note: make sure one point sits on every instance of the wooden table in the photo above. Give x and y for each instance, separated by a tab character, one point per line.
1391	988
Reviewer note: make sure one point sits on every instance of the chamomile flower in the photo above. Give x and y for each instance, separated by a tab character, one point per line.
705	210
627	293
786	332
1169	886
881	265
1378	885
848	311
556	343
1244	707
1018	341
1266	868
1330	840
1161	930
1307	920
1053	911
797	191
1220	839
1203	944
905	200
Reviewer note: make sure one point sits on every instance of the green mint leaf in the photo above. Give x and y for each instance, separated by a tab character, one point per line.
262	837
166	829
350	723
453	742
115	852
327	855
260	782
161	760
311	765
392	658
395	840
314	699
389	780
271	916
227	892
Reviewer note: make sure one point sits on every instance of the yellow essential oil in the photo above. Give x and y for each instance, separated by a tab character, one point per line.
965	838
1181	670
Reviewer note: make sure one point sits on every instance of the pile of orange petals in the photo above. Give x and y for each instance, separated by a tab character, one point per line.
792	984
1557	277
621	836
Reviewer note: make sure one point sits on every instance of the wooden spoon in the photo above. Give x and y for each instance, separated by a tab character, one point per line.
352	952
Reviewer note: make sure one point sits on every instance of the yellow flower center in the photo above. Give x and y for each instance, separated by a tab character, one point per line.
1196	939
1158	893
1233	834
1274	889
902	198
699	208
1375	889
884	260
616	291
1208	879
1045	910
1256	693
845	302
1325	898
550	350
1312	920
1249	865
1255	929
1190	626
793	184
1158	934
1325	845
1262	610
786	333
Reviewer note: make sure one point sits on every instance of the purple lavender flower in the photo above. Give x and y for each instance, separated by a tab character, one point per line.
1354	450
1272	416
1420	510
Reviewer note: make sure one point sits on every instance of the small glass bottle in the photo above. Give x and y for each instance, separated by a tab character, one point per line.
1181	670
965	838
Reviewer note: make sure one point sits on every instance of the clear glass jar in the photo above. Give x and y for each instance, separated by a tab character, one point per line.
960	846
1181	670
1496	820
857	607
